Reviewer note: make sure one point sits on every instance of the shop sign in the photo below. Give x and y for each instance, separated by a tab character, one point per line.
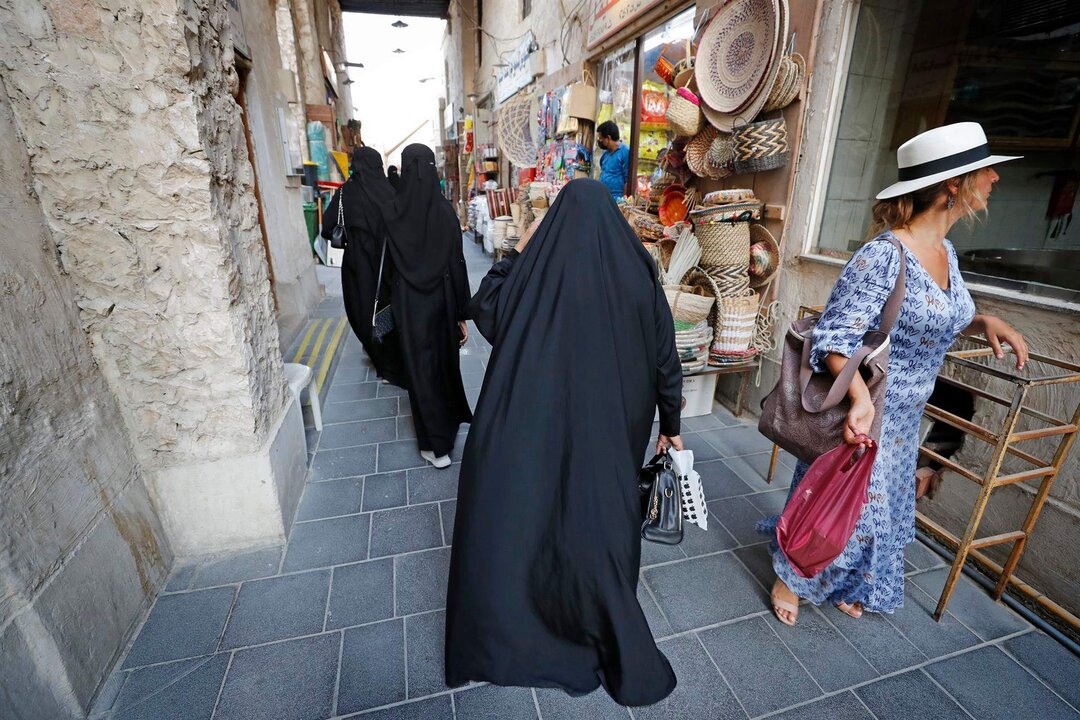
522	65
613	15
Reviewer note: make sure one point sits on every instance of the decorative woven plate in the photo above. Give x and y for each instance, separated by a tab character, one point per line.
735	53
764	256
698	148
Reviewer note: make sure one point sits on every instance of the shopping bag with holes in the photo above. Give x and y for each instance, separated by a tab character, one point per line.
693	496
820	517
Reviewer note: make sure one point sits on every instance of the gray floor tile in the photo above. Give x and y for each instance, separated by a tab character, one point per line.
239	567
359	410
491	702
703	451
972	606
922	557
844	706
759	464
1049	659
278	608
354	360
653	553
757	665
311	436
748	471
388	391
327	542
185	690
738	517
405	428
448	510
400	455
405	530
759	562
424	642
420	581
911	695
704	591
598	705
934	639
718	480
701	542
435	708
385	490
181	576
428	484
343	463
363	432
372	667
182	626
701	692
354	391
769	503
331	499
738	441
284	681
353	376
657	624
991	686
877	639
404	408
825	653
361	593
704	422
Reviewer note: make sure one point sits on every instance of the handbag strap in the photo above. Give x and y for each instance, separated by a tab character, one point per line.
842	383
378	283
341	206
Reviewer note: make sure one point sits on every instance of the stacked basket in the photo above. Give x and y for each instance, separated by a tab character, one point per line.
691	308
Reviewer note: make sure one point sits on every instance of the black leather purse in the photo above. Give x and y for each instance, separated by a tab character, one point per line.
382	321
339	236
661	502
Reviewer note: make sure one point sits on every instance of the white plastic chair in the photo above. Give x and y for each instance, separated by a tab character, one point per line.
299	377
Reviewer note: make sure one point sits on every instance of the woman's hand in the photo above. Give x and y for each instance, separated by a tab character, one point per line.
520	247
998	331
664	442
860	419
464	332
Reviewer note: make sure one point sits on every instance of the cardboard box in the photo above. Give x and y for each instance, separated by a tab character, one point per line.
697	395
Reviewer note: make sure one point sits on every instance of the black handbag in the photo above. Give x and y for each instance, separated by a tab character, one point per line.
661	502
339	236
382	321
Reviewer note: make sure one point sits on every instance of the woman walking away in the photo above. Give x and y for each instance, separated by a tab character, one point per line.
430	295
547	543
945	176
365	193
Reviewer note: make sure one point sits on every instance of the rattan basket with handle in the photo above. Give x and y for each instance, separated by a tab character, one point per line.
761	146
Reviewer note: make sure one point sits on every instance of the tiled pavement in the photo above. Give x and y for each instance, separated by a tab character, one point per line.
346	620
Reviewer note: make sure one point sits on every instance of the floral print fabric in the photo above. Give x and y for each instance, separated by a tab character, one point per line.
871	568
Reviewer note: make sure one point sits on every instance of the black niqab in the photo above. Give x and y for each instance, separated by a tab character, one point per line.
423	226
393	177
546	549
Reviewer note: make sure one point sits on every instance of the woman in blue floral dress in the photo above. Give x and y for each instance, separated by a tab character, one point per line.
945	176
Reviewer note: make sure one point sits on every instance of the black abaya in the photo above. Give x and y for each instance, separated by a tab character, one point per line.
546	551
430	295
365	192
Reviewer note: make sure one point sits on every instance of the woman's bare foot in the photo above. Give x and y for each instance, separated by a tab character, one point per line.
785	604
852	609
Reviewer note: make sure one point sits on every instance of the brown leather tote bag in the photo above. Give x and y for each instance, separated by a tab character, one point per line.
806	411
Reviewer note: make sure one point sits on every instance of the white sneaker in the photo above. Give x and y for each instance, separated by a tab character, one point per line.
439	462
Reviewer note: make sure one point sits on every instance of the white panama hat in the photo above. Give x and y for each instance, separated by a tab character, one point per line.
940	154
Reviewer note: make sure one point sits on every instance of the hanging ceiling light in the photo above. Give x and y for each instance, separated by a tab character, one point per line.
399	24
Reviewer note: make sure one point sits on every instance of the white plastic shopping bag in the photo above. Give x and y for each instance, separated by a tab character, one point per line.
693	496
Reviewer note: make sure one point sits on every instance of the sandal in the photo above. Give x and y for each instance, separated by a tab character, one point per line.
850	609
779	604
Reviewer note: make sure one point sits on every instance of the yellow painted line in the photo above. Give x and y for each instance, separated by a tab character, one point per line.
328	356
314	358
306	342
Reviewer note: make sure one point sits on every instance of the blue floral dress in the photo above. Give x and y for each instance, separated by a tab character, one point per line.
871	568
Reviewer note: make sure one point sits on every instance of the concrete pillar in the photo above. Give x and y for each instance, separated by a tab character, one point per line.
138	155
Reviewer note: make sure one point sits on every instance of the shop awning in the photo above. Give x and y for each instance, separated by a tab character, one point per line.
416	8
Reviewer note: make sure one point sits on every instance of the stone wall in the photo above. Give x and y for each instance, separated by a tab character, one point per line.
78	530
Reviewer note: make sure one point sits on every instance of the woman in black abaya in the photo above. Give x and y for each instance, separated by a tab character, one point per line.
546	552
429	299
365	192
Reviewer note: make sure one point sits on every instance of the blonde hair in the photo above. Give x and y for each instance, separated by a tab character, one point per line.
897	212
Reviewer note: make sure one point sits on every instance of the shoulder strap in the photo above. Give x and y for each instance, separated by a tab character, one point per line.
842	383
341	206
378	283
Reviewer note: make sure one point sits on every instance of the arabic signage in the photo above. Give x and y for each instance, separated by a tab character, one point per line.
613	15
522	65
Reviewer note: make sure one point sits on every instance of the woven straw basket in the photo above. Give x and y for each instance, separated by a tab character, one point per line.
731	279
736	323
684	113
724	244
687	304
761	146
